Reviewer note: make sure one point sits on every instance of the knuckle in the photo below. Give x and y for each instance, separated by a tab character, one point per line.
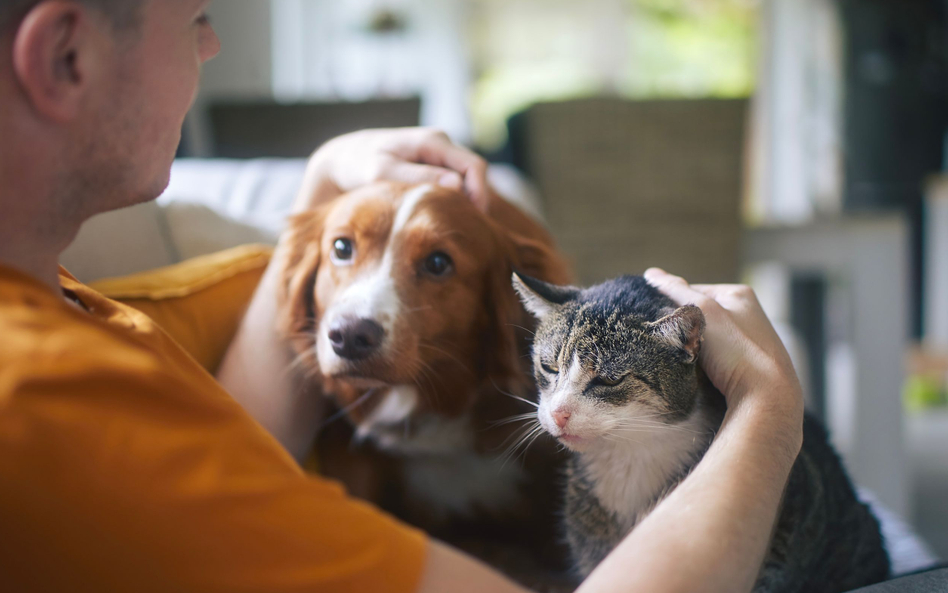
706	304
434	134
743	291
378	169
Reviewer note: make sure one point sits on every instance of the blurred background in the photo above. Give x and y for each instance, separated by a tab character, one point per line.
798	145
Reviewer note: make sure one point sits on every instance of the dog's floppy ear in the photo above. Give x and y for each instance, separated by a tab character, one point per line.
301	255
538	259
530	248
510	330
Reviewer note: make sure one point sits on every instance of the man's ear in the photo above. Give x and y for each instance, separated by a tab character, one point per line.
53	53
541	298
682	329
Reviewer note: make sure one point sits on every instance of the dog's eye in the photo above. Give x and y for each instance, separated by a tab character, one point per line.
342	250
439	264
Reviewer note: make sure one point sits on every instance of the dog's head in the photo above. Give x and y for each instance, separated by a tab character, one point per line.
398	302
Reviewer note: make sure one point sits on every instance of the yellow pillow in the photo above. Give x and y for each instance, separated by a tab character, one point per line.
199	302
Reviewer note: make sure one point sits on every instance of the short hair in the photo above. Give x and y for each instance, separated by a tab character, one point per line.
123	14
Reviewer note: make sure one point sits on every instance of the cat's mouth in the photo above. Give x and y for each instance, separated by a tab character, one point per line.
566	435
571	439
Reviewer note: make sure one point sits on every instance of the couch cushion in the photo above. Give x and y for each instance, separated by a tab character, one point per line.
120	242
199	302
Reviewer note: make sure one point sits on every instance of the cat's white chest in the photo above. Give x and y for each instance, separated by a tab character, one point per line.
628	478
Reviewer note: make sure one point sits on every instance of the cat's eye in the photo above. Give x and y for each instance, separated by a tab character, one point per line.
342	251
604	381
549	369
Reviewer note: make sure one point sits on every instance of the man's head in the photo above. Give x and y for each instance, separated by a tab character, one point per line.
95	93
122	13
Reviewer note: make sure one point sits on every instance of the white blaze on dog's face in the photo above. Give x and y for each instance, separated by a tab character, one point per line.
362	318
403	299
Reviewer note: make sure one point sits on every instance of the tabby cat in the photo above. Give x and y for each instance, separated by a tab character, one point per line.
620	387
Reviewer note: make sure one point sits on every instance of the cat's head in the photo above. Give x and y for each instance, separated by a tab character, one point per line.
615	361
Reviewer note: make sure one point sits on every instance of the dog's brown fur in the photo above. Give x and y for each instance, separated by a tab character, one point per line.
462	343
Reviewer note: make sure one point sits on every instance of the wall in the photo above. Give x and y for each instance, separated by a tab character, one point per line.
242	69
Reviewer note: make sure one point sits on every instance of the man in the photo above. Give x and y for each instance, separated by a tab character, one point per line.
124	467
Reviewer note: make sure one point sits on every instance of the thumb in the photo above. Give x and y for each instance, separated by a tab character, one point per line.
415	174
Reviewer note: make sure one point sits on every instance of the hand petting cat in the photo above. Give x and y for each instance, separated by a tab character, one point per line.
742	354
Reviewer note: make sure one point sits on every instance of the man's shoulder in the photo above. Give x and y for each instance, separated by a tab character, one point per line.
47	337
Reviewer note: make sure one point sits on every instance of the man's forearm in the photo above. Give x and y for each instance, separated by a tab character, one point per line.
257	369
712	533
257	372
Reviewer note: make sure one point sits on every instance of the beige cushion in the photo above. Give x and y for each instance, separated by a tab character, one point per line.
120	243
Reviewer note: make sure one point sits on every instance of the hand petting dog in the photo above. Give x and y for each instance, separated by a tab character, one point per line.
254	369
407	155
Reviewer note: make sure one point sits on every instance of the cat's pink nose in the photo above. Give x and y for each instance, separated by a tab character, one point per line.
561	417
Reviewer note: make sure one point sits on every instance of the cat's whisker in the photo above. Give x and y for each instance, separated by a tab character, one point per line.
517	436
622	439
512	419
511	452
641	422
654	429
531	332
516	397
523	453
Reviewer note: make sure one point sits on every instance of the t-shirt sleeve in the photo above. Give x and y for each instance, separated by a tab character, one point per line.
118	476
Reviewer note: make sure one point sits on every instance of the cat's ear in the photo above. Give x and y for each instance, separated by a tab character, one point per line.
541	298
681	329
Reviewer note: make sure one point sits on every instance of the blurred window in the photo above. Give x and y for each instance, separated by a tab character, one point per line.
538	50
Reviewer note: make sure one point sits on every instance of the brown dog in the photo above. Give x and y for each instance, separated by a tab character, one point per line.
399	305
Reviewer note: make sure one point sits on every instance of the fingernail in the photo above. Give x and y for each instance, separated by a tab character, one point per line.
652	272
451	180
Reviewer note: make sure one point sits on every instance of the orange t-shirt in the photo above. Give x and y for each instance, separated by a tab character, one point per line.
124	466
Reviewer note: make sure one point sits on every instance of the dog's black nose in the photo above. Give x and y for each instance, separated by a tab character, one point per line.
355	339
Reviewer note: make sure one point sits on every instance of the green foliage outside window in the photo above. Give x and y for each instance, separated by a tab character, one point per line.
674	49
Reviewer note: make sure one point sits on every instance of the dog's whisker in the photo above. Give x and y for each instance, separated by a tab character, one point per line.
446	353
342	412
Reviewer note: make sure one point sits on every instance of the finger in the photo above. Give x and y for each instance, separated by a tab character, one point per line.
746	311
740	291
440	151
674	287
415	174
736	298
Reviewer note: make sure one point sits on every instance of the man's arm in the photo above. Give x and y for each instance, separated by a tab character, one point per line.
709	535
256	369
712	532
